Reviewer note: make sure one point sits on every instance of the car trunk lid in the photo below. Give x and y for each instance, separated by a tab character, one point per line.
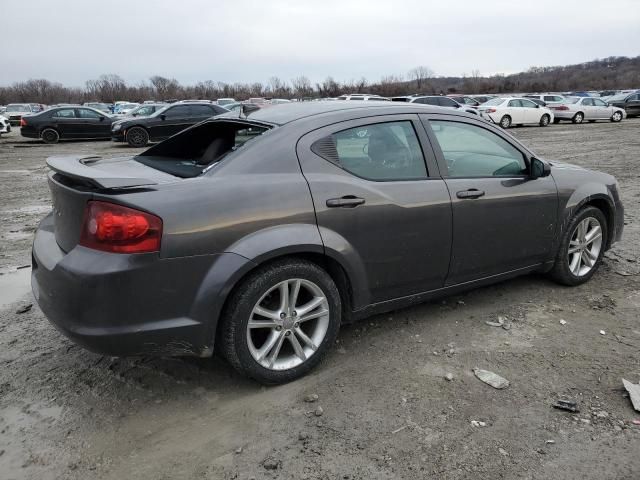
75	179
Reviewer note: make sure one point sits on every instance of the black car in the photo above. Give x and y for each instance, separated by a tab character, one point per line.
165	122
67	123
257	237
630	102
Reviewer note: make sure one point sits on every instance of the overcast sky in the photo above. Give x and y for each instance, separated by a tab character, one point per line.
70	41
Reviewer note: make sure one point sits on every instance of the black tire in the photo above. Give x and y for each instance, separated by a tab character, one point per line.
50	136
544	120
556	121
137	137
560	271
232	334
616	117
578	118
505	121
8	128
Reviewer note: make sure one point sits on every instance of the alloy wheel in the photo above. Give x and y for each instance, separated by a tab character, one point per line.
617	116
584	246
288	324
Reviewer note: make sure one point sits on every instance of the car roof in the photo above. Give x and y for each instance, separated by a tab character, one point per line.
290	112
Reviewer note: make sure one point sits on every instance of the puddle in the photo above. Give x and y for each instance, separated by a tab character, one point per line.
14	286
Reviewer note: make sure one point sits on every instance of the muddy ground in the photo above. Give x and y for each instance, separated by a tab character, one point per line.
389	412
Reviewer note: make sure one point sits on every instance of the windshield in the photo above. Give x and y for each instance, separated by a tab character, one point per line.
18	108
620	96
493	101
198	149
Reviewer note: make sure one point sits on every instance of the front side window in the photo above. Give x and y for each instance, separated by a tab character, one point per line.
473	151
65	113
381	151
180	111
86	113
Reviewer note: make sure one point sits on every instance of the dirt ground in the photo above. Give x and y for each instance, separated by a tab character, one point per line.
388	412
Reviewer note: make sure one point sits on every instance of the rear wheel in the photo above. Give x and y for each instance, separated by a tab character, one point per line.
616	117
578	118
505	121
544	120
281	321
49	135
582	247
137	137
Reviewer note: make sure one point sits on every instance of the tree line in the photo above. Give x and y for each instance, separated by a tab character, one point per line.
608	73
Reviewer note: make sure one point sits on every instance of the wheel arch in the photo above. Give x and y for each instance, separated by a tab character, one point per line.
301	241
599	199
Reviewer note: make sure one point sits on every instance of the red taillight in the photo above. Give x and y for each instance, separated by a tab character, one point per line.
119	229
561	107
23	122
490	110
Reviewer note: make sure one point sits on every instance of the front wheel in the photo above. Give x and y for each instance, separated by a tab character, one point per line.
137	137
616	117
581	248
505	122
281	321
544	120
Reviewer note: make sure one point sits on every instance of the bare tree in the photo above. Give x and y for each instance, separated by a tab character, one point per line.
420	75
301	87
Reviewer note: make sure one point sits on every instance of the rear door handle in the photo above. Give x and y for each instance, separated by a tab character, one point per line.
348	201
471	193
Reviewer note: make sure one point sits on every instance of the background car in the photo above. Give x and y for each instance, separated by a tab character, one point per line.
124	108
5	126
482	98
362	96
547	98
103	107
579	109
630	103
225	101
15	111
260	245
465	100
143	110
508	111
437	101
67	123
138	131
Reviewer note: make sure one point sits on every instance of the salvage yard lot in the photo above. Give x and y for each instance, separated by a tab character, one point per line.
387	410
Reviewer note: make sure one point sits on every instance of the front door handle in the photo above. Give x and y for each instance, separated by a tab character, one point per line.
348	201
471	193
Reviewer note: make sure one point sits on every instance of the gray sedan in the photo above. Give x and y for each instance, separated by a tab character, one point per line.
579	109
257	235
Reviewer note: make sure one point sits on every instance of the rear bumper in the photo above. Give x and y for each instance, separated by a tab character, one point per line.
29	132
120	305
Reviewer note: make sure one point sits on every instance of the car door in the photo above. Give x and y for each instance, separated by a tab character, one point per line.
381	202
632	104
531	111
503	220
93	124
66	122
171	121
588	109
515	111
602	110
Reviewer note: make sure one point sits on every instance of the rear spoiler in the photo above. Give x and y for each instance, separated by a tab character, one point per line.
76	167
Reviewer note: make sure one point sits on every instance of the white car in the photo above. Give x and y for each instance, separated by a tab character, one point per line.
363	96
5	126
547	97
508	111
579	109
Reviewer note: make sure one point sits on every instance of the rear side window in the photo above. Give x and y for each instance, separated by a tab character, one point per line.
202	111
473	151
380	152
447	102
65	113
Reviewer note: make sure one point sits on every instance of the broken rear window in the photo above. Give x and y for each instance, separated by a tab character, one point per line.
189	153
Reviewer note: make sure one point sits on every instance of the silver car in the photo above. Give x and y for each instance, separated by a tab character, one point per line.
579	109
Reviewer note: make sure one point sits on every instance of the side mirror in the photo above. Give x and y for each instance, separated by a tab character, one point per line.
539	168
101	118
163	116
